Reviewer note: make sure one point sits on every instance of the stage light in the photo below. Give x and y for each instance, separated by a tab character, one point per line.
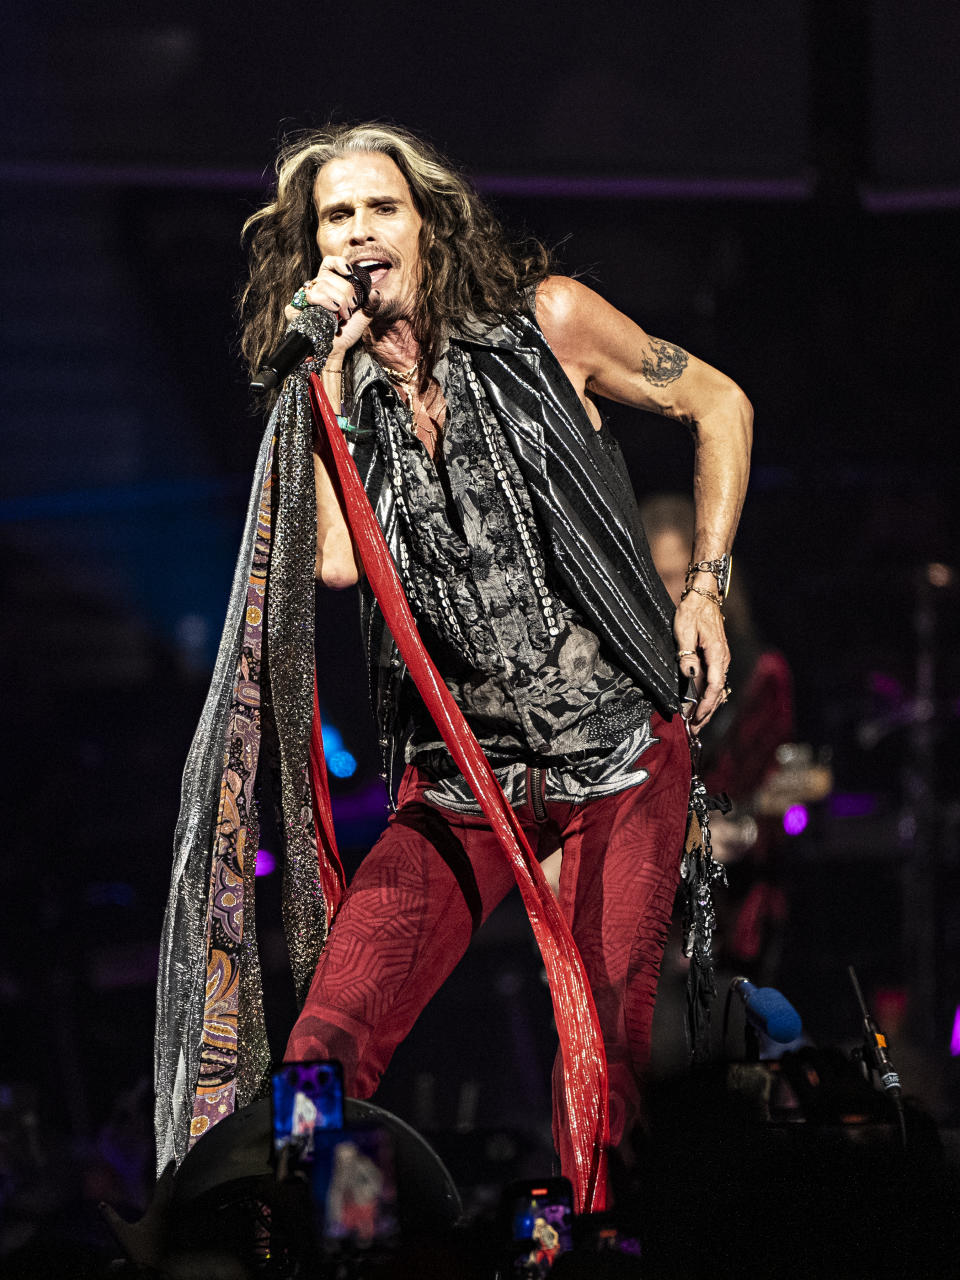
339	760
939	575
342	764
795	819
854	804
955	1038
266	862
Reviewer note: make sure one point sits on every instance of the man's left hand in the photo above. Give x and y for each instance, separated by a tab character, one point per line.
698	631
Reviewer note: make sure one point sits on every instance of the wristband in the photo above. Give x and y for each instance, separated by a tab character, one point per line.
721	568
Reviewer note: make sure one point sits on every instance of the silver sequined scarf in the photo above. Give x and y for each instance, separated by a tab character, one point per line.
211	1047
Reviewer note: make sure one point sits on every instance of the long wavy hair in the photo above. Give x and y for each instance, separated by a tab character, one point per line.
468	264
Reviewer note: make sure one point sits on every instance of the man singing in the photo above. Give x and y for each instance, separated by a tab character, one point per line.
465	389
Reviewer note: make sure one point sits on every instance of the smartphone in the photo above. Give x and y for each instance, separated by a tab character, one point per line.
307	1097
354	1190
540	1215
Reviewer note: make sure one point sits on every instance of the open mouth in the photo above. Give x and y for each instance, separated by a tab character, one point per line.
377	267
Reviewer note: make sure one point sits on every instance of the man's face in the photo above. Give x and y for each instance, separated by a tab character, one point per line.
366	214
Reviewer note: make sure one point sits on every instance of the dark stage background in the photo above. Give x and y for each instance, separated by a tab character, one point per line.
774	186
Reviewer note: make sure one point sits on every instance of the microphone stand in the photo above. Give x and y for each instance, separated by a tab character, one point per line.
923	819
874	1056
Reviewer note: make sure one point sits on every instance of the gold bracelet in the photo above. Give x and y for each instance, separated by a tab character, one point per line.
707	595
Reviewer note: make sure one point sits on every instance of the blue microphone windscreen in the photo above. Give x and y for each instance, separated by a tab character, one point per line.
774	1014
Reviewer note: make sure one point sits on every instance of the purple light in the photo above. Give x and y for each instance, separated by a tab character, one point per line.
909	199
955	1038
885	685
646	187
854	804
266	862
795	819
546	185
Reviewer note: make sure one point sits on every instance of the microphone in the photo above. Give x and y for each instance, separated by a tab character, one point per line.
295	347
876	1058
875	1052
768	1011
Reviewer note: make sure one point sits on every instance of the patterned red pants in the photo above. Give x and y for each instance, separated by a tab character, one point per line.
434	876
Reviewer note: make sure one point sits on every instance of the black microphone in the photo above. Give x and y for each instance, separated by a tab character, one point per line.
768	1011
295	347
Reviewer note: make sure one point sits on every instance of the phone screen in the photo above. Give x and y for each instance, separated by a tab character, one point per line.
355	1190
541	1218
307	1097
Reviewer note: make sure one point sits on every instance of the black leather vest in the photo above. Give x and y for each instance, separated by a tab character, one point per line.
582	498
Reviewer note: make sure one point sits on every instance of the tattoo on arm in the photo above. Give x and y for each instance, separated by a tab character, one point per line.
667	364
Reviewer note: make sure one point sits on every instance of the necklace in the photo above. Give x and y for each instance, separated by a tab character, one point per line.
406	380
422	422
402	376
427	432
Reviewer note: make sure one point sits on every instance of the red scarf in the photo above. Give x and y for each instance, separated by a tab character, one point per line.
581	1041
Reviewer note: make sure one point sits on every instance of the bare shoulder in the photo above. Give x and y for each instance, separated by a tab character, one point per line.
564	306
575	319
567	315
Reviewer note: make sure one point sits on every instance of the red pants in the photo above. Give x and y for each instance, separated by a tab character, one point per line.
434	876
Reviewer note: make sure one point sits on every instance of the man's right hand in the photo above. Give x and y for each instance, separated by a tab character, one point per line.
333	290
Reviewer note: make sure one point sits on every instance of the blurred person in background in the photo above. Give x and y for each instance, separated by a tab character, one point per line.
739	755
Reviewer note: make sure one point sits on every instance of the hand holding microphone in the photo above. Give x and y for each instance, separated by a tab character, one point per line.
345	289
339	287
